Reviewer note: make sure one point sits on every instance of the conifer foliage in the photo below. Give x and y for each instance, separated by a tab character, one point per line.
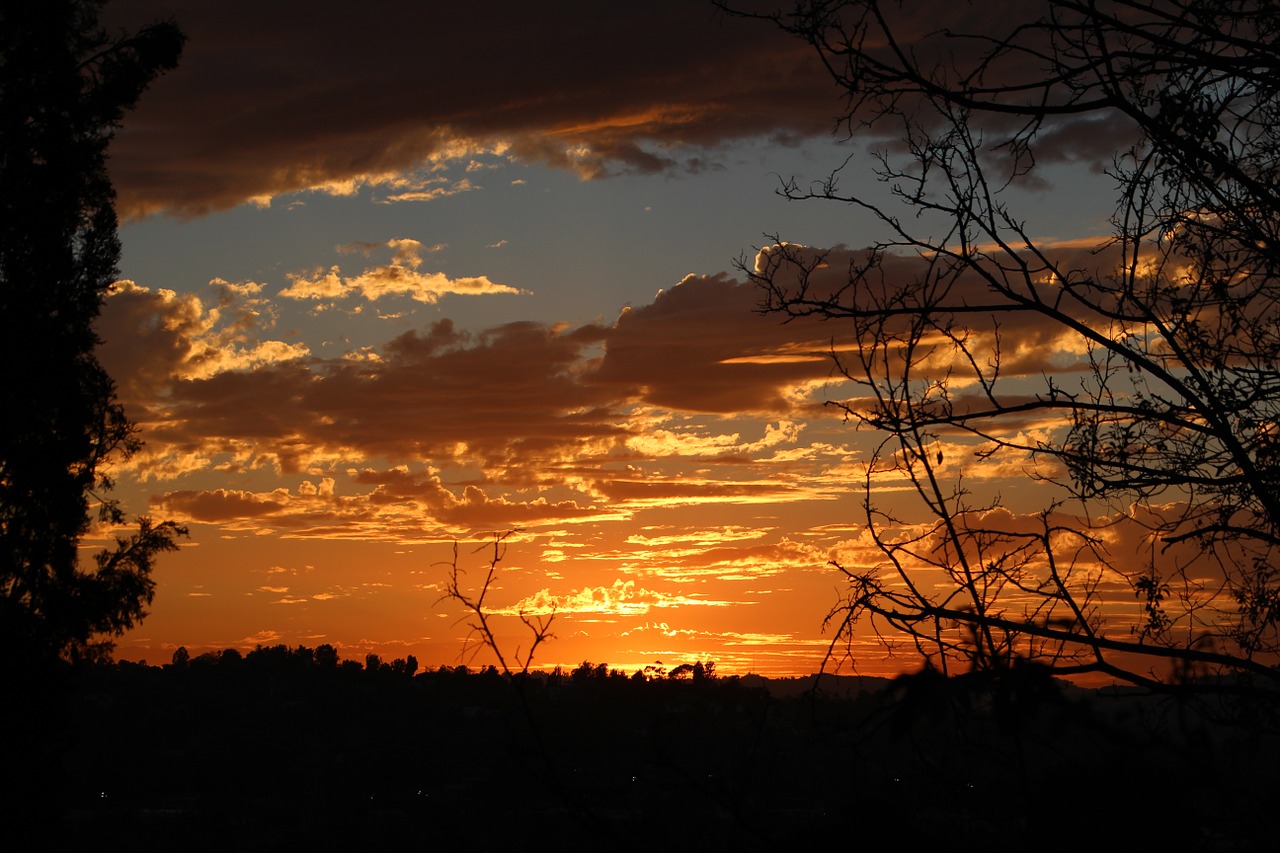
65	84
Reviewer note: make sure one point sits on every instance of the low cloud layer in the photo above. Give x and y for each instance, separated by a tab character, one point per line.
204	384
209	382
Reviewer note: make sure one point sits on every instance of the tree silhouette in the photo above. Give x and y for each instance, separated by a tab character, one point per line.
1137	381
326	656
65	84
480	616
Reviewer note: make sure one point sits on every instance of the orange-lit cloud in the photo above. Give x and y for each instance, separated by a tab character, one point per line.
154	337
399	278
502	397
599	413
399	507
622	598
533	404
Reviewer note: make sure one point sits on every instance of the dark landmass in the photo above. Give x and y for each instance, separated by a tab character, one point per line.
295	750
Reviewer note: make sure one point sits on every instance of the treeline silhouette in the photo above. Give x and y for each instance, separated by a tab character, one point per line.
296	748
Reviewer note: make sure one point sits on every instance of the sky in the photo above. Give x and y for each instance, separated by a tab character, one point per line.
401	278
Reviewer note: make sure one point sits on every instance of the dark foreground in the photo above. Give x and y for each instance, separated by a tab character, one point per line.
277	753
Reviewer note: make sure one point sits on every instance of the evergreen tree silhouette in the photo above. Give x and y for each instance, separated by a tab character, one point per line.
65	84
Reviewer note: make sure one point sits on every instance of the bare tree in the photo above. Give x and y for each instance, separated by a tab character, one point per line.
480	618
1138	381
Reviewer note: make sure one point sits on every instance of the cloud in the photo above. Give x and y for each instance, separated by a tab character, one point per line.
690	442
698	555
691	400
635	492
277	98
729	638
438	393
841	284
473	509
955	45
151	338
211	388
689	350
622	598
432	190
401	277
730	533
398	507
593	408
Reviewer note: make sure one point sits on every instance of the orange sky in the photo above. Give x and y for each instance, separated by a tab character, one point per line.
385	290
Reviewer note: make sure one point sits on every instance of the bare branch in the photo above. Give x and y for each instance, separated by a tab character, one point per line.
1138	384
480	619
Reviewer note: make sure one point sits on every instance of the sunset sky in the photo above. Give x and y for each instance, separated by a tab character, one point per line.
399	275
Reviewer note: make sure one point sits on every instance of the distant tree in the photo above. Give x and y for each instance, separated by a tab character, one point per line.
181	657
304	657
683	671
402	667
1156	423
326	656
588	671
65	84
204	660
270	659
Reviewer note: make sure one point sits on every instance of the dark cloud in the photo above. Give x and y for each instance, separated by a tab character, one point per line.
510	392
669	492
703	346
282	96
999	52
506	396
220	505
474	509
401	505
1025	342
